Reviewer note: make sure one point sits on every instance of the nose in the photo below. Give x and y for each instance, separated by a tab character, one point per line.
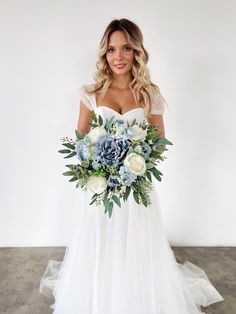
118	54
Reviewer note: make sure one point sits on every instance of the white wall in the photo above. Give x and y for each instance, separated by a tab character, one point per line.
49	48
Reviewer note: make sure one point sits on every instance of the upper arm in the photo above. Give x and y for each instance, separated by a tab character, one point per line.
157	111
157	119
84	118
85	111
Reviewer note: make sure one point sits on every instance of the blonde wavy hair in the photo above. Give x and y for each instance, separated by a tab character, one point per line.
141	85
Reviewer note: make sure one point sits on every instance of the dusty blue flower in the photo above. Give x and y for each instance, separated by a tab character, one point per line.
111	150
120	125
113	180
146	149
83	151
95	165
126	177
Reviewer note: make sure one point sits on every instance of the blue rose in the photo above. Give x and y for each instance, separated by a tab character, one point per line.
111	150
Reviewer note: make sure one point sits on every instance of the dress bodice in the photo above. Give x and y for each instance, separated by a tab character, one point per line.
107	112
157	106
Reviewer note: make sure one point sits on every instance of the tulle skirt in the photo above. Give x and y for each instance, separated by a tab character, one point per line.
124	265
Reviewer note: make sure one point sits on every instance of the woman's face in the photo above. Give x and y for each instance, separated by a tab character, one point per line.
120	55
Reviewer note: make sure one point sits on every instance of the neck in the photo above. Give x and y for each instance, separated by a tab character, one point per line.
121	81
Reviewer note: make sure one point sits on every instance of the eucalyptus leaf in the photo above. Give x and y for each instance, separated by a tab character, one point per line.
116	200
70	155
73	179
70	166
136	196
126	194
93	201
100	120
144	199
78	135
94	195
94	117
150	165
156	173
64	151
110	209
69	145
68	173
149	176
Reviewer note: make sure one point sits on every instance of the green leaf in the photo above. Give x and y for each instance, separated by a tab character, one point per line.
68	173
144	199
116	200
73	179
64	151
136	196
70	165
106	201
93	200
78	135
150	165
109	123
94	116
93	125
100	120
110	209
69	145
70	155
94	195
133	122
149	176
154	154
126	194
156	173
108	206
164	141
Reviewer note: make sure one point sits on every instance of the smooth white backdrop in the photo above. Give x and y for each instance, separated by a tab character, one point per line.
49	48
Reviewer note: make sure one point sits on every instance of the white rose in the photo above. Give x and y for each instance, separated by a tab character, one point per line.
96	133
97	184
135	163
139	133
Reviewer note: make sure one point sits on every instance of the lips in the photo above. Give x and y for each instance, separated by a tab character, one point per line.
121	65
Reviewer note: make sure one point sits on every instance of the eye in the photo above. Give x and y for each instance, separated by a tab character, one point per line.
110	49
127	48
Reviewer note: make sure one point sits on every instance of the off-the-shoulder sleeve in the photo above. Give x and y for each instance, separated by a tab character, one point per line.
86	99
158	103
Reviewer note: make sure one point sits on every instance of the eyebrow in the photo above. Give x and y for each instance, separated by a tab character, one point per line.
121	46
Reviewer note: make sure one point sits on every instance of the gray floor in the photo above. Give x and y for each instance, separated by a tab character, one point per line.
21	269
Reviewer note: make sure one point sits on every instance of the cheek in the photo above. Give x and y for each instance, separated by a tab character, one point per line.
131	57
109	58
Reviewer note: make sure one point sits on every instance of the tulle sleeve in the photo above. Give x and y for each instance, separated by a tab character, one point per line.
158	103
86	99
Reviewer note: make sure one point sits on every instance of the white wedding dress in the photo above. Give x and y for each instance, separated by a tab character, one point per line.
124	264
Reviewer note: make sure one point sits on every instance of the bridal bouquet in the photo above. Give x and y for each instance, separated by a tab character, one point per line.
115	158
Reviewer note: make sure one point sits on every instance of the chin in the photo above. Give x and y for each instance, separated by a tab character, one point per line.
121	71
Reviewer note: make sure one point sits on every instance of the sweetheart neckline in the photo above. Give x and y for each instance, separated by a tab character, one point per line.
120	114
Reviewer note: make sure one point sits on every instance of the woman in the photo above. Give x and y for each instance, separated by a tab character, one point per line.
124	264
